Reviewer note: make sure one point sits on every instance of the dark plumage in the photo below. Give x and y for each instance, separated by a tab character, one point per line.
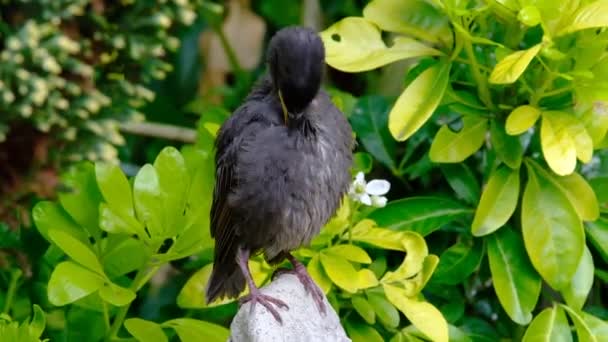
282	168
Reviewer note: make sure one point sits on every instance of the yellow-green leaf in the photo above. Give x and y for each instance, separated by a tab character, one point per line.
418	101
522	119
594	14
511	67
454	147
116	295
558	146
70	282
423	315
351	253
366	279
550	325
364	309
583	331
508	148
145	331
318	274
384	310
498	201
77	250
552	231
354	44
578	290
340	271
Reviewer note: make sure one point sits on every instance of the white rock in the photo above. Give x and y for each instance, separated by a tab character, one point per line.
301	322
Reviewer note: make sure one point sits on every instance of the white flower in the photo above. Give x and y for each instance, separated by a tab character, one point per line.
371	193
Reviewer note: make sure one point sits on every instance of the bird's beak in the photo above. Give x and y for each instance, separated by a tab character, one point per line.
285	115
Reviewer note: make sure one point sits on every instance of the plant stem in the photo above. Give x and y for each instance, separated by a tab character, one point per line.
557	91
482	85
12	289
142	276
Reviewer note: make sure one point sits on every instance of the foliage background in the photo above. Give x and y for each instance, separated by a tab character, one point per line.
475	111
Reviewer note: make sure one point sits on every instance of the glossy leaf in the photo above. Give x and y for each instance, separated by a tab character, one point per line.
577	190
350	253
384	310
70	282
82	199
508	148
521	119
364	309
147	195
563	139
550	325
77	250
173	180
515	281
115	188
340	271
413	17
123	254
462	181
192	330
416	250
510	68
577	291
598	234
354	44
116	295
370	122
454	147
113	222
422	314
145	331
498	201
594	14
362	162
419	214
318	274
38	322
553	233
458	262
49	215
362	332
418	101
598	327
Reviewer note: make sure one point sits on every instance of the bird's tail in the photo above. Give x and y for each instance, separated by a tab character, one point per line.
226	280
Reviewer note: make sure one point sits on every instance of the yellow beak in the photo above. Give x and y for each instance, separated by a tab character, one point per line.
285	116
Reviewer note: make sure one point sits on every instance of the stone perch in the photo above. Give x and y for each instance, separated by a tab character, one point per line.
302	322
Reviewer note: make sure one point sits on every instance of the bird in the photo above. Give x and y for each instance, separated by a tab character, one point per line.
282	168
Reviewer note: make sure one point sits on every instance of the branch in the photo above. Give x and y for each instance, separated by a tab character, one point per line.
158	130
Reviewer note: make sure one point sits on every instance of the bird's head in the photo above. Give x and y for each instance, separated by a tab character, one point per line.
295	59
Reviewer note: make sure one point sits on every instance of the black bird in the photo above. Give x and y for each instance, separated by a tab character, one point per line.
282	167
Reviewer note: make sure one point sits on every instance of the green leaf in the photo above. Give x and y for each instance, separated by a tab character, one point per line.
515	281
340	271
77	250
600	188
419	214
318	274
192	330
598	234
550	325
454	147
173	179
563	139
594	14
364	309
577	190
37	323
418	101
123	254
598	327
116	295
412	17
147	194
582	329
508	148
70	282
423	315
462	181
385	311
354	44
115	223
359	332
145	331
370	122
577	291
458	262
553	233
82	199
521	119
350	253
50	215
498	201
115	188
510	68
362	162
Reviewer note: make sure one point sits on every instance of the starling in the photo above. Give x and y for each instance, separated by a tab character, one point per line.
282	167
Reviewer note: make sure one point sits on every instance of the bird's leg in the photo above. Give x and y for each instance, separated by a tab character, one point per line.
255	296
299	270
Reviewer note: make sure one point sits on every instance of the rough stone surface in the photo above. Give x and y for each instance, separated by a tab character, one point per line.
301	322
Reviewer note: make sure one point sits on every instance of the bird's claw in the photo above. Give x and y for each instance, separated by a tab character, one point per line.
267	302
309	285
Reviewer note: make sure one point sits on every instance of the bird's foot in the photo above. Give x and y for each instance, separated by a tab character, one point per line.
309	285
267	301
